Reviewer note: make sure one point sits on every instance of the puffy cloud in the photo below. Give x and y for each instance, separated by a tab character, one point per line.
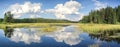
68	10
27	8
99	4
65	11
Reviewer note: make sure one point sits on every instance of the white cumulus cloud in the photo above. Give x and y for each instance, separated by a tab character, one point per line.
27	8
99	4
68	10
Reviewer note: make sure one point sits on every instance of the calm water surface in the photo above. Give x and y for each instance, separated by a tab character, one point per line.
67	36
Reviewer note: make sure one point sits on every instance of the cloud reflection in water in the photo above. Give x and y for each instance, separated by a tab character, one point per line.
68	35
25	35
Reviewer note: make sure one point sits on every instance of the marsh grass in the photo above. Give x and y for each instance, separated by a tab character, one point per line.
92	28
48	29
14	25
49	26
2	26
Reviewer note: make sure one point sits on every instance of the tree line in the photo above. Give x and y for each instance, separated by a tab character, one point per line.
8	18
106	15
39	20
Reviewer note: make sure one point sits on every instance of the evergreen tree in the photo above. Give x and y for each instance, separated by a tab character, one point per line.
107	15
118	13
8	17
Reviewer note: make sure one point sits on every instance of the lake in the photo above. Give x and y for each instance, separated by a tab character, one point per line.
62	36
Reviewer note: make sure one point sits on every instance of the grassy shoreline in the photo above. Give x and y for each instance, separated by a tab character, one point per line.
92	28
14	25
84	27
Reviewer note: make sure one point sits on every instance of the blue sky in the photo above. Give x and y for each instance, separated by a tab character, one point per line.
84	7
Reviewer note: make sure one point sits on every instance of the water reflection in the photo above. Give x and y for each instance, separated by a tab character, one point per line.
68	35
108	36
96	44
8	32
25	35
21	34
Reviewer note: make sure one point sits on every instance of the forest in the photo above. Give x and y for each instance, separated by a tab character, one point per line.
106	15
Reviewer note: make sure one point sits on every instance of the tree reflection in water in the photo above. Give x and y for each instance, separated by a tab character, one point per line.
8	31
108	36
22	34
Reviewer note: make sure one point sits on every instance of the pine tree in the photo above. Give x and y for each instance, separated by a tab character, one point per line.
8	17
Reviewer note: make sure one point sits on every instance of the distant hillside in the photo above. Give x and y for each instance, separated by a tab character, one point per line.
38	20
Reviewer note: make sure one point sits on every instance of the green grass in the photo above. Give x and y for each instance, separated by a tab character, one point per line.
14	25
47	27
2	25
92	28
85	27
